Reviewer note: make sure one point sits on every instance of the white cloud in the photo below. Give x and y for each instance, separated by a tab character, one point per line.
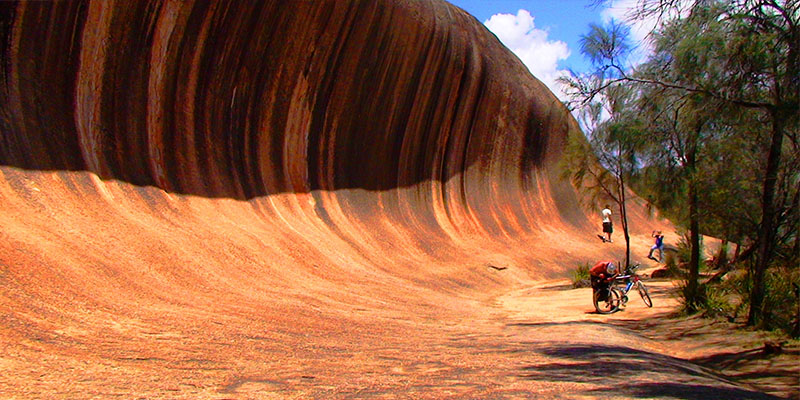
623	10
531	45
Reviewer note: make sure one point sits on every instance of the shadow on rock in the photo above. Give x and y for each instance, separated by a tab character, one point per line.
656	375
682	391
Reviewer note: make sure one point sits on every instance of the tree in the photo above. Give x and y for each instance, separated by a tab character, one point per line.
605	160
739	56
754	68
680	135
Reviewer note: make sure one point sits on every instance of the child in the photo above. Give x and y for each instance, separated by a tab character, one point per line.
659	245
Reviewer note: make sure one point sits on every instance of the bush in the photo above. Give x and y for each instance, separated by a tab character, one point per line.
683	251
691	306
738	284
719	260
671	265
580	276
780	301
731	297
717	302
712	300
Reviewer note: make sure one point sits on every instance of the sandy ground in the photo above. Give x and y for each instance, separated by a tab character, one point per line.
538	342
638	341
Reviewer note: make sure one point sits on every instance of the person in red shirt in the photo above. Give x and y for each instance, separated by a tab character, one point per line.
602	274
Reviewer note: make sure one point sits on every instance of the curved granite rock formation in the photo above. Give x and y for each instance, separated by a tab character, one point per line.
248	99
201	197
254	98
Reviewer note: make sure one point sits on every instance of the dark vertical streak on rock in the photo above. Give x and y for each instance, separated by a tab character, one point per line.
474	115
320	164
41	134
125	148
535	143
247	99
8	13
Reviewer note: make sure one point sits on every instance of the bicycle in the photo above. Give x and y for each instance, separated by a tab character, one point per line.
609	300
631	279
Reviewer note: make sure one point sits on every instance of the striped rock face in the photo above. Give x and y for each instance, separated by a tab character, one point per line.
204	198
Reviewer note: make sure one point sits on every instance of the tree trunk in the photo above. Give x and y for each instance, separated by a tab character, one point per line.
766	234
796	221
796	252
627	246
722	255
692	293
623	210
692	288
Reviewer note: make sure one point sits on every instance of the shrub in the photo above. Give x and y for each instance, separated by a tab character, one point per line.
731	297
580	276
721	258
717	302
671	265
780	300
738	284
683	251
687	306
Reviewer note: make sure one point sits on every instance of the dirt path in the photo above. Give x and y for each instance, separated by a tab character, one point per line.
653	351
542	342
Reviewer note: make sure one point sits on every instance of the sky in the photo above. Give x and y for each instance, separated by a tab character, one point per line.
545	34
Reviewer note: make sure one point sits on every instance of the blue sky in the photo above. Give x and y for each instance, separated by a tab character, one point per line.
562	20
545	34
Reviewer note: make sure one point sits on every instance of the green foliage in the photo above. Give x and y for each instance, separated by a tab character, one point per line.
604	43
717	302
684	250
671	264
603	162
739	284
690	302
711	300
720	259
580	276
731	298
781	305
729	184
719	99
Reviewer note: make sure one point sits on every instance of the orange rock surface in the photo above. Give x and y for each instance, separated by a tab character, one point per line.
279	199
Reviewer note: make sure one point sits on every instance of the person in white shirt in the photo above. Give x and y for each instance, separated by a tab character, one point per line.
608	226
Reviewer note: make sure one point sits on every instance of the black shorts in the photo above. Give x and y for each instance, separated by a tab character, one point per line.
608	227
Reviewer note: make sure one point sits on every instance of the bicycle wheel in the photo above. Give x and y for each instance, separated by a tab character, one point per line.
623	298
645	294
610	304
